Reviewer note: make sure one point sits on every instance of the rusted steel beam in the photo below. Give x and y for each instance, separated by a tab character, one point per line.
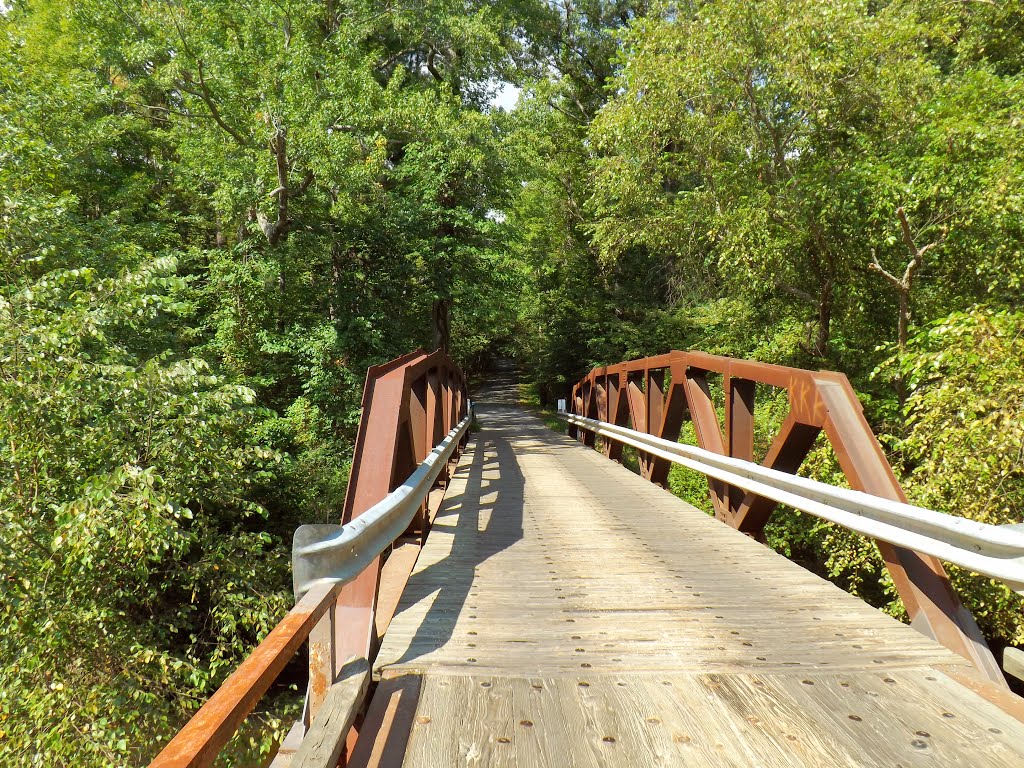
601	398
575	405
198	743
708	432
434	413
618	412
637	402
739	427
654	398
323	664
378	435
672	414
788	451
447	402
420	431
589	409
418	419
931	602
762	373
383	441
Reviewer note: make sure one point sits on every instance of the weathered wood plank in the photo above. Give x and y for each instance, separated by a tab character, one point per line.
860	720
385	730
542	548
1013	662
325	740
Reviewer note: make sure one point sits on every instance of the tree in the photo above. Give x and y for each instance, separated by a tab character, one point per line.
903	285
965	440
744	135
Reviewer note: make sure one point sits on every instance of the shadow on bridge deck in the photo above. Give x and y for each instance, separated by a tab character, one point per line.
483	518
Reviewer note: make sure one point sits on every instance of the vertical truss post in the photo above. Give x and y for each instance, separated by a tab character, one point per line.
739	428
447	400
638	410
655	388
601	399
617	412
324	664
673	411
575	406
420	432
394	437
435	415
589	410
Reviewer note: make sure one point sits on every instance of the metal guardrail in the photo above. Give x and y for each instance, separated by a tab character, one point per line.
996	551
336	554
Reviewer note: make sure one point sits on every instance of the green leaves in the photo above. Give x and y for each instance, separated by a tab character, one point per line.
965	438
117	474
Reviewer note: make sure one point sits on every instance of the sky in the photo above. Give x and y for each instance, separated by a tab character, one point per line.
506	97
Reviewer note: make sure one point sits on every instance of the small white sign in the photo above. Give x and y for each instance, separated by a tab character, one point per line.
561	405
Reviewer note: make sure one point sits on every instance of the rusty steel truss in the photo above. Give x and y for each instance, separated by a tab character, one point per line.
656	394
409	406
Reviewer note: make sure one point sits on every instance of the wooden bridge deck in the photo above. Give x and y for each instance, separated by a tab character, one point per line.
565	612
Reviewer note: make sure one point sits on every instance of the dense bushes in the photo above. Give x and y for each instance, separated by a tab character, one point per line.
138	563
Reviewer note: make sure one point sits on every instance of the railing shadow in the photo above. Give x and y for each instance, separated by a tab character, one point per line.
485	519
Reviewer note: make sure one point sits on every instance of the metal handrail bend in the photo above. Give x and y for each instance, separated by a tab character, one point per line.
336	554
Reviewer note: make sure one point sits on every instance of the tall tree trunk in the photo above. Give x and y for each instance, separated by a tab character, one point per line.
903	286
442	330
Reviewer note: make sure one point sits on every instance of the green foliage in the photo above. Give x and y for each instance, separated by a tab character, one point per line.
214	217
688	484
964	446
133	543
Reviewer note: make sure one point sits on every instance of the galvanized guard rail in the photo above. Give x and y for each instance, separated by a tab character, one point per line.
654	395
414	422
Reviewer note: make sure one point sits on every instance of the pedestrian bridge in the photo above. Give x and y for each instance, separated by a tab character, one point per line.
538	604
